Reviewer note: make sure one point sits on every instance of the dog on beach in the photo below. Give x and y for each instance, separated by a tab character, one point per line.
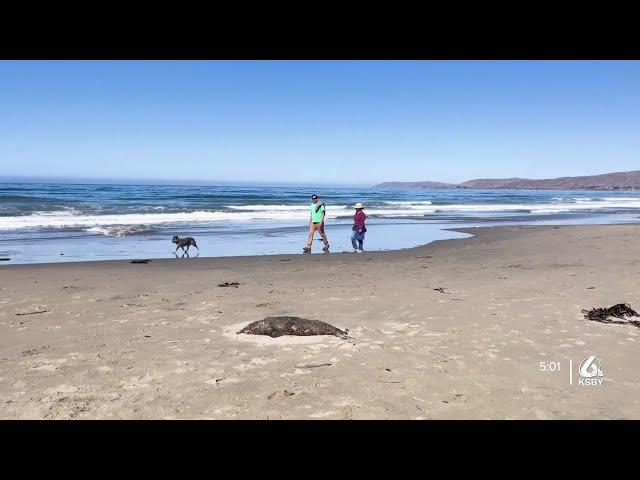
184	242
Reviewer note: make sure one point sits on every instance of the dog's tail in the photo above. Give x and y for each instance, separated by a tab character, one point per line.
194	244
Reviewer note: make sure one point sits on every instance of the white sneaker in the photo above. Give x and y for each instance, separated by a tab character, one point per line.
355	250
360	251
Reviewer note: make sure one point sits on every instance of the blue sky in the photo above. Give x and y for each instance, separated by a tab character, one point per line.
348	122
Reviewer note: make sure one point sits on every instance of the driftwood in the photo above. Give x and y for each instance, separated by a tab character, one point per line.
279	326
314	366
139	261
229	284
32	313
620	310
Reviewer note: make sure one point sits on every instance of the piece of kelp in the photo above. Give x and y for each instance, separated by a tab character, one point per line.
620	310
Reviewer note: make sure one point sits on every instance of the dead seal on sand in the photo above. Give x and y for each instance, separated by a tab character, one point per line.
279	326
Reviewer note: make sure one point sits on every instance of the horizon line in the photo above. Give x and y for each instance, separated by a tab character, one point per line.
160	181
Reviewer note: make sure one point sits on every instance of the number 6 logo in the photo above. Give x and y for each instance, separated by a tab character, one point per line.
591	367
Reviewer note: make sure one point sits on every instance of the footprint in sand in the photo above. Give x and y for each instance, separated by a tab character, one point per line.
49	365
61	389
222	380
323	414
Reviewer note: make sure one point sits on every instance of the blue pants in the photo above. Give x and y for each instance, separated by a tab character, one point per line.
359	237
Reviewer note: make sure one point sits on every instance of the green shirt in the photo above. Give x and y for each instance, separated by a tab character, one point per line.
316	217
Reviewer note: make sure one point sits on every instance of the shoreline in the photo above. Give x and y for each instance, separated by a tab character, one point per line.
387	237
39	225
448	330
480	232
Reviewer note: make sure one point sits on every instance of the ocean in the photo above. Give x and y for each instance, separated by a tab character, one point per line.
58	222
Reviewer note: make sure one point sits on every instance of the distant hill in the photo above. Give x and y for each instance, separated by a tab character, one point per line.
415	185
490	182
607	181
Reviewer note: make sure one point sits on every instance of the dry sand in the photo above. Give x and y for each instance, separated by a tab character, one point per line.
157	340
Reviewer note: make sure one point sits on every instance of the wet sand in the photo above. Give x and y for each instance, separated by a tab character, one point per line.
157	340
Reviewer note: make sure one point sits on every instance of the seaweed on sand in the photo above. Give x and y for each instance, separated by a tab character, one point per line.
620	310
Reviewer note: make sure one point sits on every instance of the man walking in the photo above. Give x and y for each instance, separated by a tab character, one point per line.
316	224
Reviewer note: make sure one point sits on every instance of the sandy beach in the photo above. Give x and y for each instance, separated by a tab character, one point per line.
157	340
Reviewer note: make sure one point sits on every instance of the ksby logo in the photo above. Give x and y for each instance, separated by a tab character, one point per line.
591	372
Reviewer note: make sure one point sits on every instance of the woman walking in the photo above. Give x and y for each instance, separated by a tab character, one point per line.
358	228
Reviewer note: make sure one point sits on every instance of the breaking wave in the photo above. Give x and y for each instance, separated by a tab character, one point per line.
136	223
121	230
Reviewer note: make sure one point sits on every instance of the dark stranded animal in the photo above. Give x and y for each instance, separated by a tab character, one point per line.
183	242
278	326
